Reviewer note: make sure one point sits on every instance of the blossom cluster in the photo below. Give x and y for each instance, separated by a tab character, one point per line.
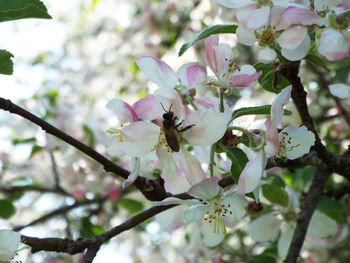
174	127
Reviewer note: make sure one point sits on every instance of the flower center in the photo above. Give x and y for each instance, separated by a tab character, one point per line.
285	145
216	216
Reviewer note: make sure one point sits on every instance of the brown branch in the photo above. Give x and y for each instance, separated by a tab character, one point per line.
290	71
60	211
77	246
325	85
34	188
151	189
307	211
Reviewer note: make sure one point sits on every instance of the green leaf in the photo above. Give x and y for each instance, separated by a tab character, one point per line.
7	209
89	136
267	78
131	205
276	180
88	229
262	259
275	194
6	64
258	110
238	159
35	150
217	29
16	141
331	208
19	9
316	60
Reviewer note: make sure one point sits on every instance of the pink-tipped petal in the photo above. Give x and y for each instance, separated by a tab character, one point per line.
192	74
123	110
300	15
333	45
148	108
253	170
292	37
206	189
278	103
271	147
245	77
157	71
210	55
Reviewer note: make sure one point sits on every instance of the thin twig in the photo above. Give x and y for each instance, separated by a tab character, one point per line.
150	188
325	85
307	211
59	211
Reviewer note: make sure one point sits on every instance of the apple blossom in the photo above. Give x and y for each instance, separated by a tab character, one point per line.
210	206
9	243
294	142
219	59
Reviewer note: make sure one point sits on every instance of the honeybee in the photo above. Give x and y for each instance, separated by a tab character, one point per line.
170	129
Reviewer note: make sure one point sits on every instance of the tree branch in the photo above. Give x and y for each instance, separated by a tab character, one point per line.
151	189
325	85
290	71
307	211
60	211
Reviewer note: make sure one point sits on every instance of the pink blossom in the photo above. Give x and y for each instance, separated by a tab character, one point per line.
333	45
300	15
219	58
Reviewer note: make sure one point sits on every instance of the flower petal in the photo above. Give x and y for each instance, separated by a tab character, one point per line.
124	111
209	127
157	71
278	103
245	77
300	15
235	204
322	226
235	3
140	138
299	52
264	228
292	37
191	74
340	90
295	142
148	108
206	189
253	170
285	240
267	54
211	238
135	172
195	213
191	167
271	147
9	243
166	159
245	36
333	45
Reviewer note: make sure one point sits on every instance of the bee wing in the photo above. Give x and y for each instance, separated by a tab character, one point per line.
172	140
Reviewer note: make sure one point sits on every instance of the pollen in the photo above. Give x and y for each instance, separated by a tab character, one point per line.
286	145
217	215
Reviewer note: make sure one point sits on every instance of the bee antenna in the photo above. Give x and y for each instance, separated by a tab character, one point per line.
170	107
163	107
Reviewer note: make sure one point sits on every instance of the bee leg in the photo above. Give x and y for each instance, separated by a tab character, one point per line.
186	128
178	125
